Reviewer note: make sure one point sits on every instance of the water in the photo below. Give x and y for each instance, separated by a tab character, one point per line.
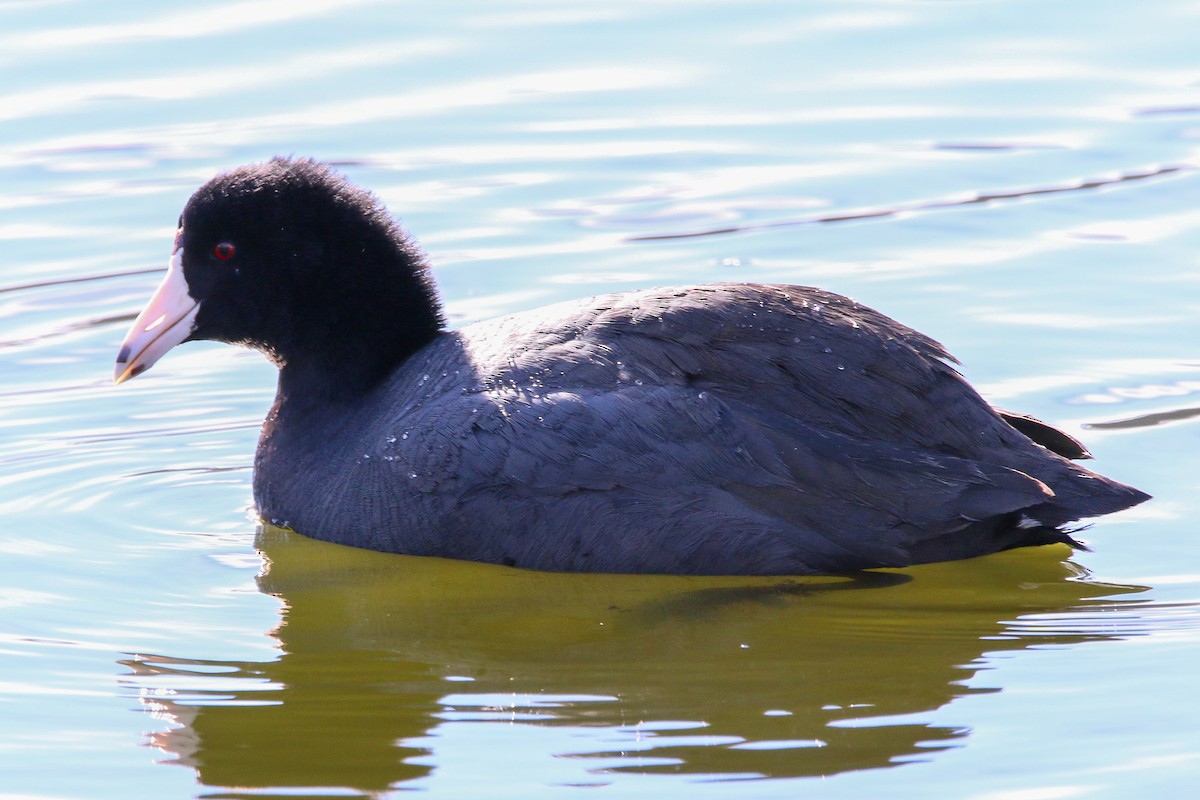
1017	179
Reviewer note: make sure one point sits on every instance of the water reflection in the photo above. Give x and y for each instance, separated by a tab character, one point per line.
385	659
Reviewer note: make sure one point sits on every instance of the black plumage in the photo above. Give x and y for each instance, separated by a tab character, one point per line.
719	429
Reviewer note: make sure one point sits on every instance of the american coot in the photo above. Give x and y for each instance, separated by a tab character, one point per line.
715	429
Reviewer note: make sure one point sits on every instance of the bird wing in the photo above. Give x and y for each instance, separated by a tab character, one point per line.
725	428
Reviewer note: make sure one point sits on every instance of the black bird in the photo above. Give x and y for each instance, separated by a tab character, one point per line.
726	428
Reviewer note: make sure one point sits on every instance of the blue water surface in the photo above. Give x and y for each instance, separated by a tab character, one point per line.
1017	179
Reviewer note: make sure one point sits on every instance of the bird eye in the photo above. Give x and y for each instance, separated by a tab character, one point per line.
223	251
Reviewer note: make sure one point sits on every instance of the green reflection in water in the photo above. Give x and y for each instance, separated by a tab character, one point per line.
714	676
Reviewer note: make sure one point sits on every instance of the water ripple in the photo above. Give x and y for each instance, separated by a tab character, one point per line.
932	205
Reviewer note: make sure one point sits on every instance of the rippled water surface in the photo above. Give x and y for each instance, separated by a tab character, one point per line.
1017	179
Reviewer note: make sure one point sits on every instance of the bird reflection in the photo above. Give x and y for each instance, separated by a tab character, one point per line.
383	657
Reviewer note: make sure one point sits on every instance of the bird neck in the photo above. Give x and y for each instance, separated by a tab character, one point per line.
349	360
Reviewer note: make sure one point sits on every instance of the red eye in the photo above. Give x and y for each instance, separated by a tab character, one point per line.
224	251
